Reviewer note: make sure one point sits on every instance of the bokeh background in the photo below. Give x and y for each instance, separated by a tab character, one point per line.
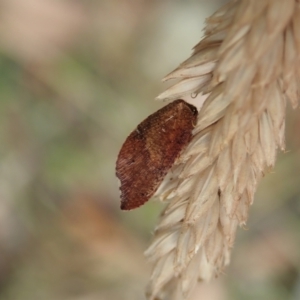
75	78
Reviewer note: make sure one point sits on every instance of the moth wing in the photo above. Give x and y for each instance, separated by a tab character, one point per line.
150	151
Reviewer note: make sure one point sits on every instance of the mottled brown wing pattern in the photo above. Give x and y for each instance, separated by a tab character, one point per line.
150	151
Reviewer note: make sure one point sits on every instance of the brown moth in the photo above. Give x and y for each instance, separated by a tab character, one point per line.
150	151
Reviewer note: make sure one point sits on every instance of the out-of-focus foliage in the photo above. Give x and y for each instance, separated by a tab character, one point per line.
75	78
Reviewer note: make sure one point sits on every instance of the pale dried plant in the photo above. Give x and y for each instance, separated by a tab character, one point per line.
247	65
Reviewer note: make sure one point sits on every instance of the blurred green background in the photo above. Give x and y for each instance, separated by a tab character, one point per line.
75	78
